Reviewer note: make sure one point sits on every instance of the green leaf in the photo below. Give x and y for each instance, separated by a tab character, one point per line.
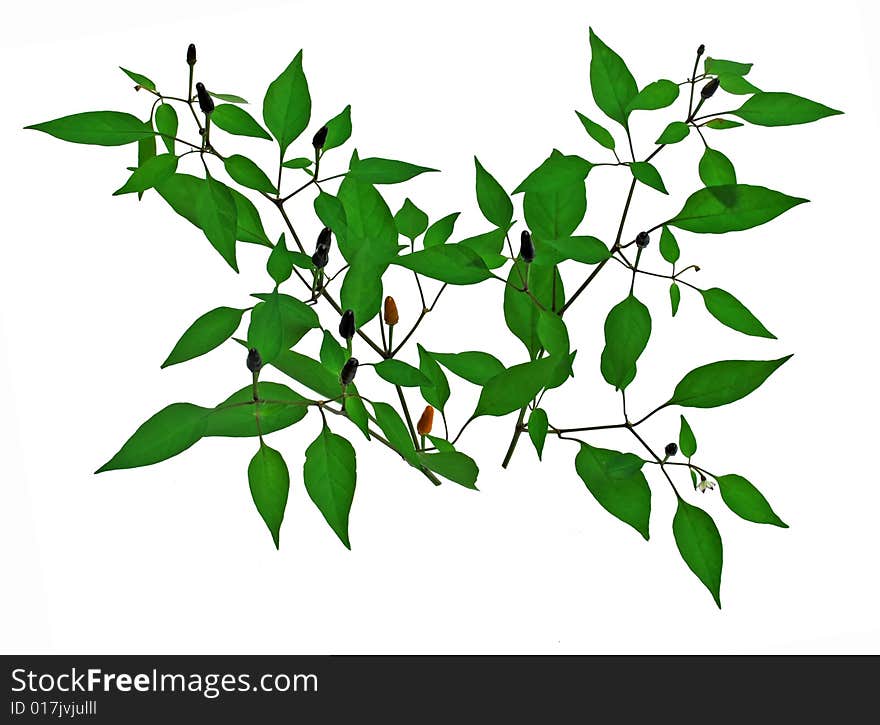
141	80
398	372
248	226
280	262
217	216
450	263
782	109
392	425
385	171
627	329
362	289
616	481
583	249
171	431
410	220
746	501
520	310
247	173
208	332
240	417
440	231
436	392
228	97
538	426
330	472
687	442
598	133
146	151
723	382
552	333
301	162
237	121
658	94
558	171
287	105
153	171
266	332
309	372
100	128
736	85
441	444
166	125
674	297
728	310
474	366
721	124
669	246
612	84
269	482
338	129
556	213
297	318
369	233
674	132
716	169
716	66
453	465
515	387
491	197
648	175
731	208
699	543
332	354
331	212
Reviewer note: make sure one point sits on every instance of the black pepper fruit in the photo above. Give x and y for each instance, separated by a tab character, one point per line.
671	449
320	138
191	54
206	103
346	325
642	239
348	371
254	361
526	247
709	89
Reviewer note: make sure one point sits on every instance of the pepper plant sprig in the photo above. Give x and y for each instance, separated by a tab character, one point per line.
335	321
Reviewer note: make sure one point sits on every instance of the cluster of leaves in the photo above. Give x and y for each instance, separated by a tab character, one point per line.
370	239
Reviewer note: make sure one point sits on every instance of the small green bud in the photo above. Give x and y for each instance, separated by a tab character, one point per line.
526	247
191	54
206	103
642	240
348	371
254	361
320	138
671	449
709	89
346	325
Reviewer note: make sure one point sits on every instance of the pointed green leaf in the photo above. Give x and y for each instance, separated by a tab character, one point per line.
538	427
722	124
247	173
450	263
440	231
301	162
737	85
436	392
583	249
453	465
552	333
398	372
248	225
217	216
100	128
171	431
297	318
669	246
491	198
208	332
515	387
782	109
658	94
141	80
269	482
674	297
309	372
330	211
330	472
410	220
716	66
362	289
687	442
627	329
385	171
392	425
598	133
648	175
612	84
716	169
287	105
556	213
237	121
728	310
280	262
699	543
731	208
520	310
616	481
746	501
266	332
239	416
151	172
674	132
474	366
338	129
558	171
228	97
723	382
166	125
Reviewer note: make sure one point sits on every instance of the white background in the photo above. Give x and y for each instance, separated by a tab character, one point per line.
94	290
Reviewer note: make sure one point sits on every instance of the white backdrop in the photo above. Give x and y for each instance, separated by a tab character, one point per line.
173	558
